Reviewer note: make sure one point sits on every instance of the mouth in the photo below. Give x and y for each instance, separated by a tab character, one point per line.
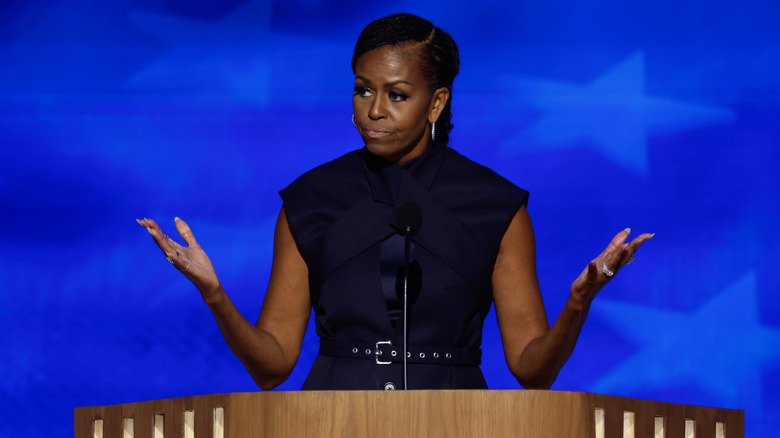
376	133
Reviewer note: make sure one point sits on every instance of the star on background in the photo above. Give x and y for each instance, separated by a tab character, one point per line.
614	113
719	348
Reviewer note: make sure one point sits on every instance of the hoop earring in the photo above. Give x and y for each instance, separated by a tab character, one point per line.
433	131
353	121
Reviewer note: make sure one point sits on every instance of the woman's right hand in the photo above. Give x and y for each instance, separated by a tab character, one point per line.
190	260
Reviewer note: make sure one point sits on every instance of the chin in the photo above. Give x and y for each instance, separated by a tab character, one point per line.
380	149
392	152
389	154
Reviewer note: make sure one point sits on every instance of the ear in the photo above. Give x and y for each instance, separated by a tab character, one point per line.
438	102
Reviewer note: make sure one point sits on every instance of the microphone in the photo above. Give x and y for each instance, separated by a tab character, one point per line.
409	220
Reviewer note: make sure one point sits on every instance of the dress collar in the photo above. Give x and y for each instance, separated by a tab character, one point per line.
384	177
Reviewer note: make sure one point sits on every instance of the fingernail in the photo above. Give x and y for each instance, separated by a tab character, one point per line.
628	230
176	219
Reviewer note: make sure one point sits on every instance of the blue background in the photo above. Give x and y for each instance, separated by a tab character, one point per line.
661	116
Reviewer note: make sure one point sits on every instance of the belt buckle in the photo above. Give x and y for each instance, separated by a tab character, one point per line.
378	352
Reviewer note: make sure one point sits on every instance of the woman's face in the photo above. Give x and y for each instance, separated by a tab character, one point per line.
393	104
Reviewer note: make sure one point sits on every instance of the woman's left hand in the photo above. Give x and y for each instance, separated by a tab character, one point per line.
604	267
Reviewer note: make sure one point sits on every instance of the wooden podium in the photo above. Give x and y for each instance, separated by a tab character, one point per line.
405	414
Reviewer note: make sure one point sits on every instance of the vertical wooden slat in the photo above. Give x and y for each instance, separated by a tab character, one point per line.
598	417
128	429
720	430
628	424
97	428
218	430
659	430
690	428
189	424
159	426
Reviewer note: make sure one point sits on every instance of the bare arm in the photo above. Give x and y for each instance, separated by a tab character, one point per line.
535	353
269	349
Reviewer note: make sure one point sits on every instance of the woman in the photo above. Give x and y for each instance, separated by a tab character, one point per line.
338	246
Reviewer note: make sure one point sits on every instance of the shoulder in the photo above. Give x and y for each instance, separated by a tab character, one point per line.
339	169
337	184
322	195
461	173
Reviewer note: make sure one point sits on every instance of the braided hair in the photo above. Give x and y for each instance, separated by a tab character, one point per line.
439	54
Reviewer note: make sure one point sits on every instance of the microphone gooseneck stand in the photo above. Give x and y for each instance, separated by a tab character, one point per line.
409	220
407	245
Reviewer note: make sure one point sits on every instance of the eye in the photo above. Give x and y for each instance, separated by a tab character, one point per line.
361	91
398	97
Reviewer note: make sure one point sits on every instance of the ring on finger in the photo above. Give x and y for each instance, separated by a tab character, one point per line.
185	269
608	272
630	259
169	259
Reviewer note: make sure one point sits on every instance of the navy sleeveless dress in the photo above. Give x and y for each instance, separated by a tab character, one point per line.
343	218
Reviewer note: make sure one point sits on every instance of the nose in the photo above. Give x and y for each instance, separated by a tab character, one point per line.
377	109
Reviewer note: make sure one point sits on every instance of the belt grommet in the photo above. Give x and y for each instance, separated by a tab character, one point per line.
389	386
355	350
436	355
368	351
393	353
422	355
449	356
408	354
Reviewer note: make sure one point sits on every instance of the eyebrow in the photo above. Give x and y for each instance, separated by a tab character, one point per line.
400	81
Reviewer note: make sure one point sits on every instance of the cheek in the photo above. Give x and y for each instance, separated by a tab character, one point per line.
411	116
416	118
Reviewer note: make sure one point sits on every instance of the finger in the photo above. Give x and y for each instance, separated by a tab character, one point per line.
146	224
612	257
165	243
638	241
628	254
611	253
161	238
593	271
175	253
620	239
185	232
624	251
153	229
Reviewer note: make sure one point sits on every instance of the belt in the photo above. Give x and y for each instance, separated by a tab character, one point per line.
384	353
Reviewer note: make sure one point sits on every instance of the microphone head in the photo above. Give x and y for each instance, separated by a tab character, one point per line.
409	219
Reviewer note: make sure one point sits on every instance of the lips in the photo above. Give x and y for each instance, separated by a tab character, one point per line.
376	132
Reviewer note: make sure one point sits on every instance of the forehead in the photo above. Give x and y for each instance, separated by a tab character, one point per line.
389	64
